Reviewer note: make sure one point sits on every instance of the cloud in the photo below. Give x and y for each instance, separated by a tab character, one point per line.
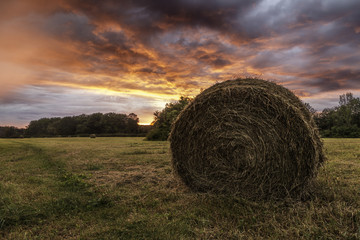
68	25
157	16
171	48
331	80
21	107
182	38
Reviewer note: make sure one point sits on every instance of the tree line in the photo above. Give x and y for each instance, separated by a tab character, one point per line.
11	132
339	121
342	120
108	124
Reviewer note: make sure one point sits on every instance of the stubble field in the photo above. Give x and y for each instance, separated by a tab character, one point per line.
123	188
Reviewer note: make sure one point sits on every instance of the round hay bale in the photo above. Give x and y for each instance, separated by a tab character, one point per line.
247	137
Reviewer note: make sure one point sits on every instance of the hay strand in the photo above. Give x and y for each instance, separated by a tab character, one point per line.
246	137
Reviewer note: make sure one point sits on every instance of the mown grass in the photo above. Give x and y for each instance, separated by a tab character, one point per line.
123	188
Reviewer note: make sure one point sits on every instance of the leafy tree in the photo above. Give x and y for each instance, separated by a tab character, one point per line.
39	128
11	132
113	122
342	120
132	123
81	126
67	126
163	119
96	123
53	127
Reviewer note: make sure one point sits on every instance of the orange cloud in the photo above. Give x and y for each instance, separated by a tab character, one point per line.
164	49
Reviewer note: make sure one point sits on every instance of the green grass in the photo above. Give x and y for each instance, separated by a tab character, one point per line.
123	188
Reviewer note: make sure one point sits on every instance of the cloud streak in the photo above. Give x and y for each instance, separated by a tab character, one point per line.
171	48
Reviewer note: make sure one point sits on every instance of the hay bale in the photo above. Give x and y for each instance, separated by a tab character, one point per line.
246	137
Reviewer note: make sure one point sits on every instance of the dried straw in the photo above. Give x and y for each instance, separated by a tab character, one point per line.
247	137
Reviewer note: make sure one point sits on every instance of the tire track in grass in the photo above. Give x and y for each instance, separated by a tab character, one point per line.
58	193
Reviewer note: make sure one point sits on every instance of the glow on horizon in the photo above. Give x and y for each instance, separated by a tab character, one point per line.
107	91
154	53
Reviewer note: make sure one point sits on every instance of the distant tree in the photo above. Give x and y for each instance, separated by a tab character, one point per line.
11	132
132	123
163	119
342	120
53	127
349	108
67	126
39	128
81	124
113	122
94	123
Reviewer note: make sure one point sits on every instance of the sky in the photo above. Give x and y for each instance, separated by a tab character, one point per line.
68	57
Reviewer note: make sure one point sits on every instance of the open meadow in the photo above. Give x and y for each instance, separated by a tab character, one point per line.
123	188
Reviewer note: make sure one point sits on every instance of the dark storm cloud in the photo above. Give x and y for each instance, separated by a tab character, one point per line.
150	70
325	10
147	16
192	33
247	19
283	16
177	47
108	51
335	80
217	62
70	25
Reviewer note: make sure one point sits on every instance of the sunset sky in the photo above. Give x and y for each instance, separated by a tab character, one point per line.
68	57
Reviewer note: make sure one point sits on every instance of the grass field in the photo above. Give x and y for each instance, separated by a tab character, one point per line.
123	188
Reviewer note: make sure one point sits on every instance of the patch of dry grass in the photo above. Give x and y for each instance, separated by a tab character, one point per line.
81	188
